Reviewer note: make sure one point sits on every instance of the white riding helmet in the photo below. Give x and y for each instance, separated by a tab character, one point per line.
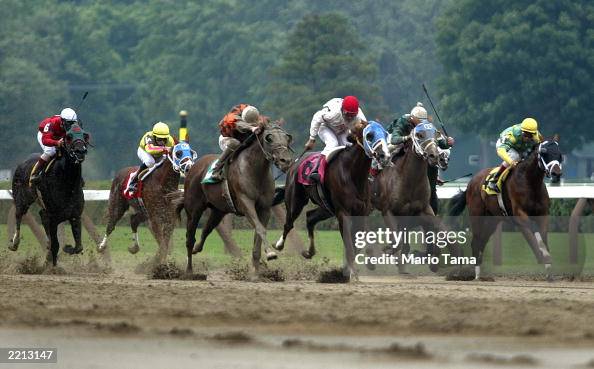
69	115
250	114
419	111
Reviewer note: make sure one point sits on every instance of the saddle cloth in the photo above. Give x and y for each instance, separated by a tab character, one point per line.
316	160
138	193
208	176
500	182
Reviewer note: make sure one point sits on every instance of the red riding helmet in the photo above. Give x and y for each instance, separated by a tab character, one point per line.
350	104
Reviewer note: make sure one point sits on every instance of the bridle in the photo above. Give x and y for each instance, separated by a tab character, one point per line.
542	164
267	155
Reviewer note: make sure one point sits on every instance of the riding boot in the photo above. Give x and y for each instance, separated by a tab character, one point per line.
314	176
134	181
493	182
37	171
217	171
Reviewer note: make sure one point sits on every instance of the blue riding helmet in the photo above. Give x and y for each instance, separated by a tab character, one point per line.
373	134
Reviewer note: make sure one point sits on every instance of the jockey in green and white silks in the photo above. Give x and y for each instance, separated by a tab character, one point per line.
513	142
400	130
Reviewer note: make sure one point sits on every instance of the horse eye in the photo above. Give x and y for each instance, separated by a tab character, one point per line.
369	136
178	154
268	138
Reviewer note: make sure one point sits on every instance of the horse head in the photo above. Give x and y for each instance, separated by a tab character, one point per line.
275	143
375	143
424	142
75	143
182	157
550	159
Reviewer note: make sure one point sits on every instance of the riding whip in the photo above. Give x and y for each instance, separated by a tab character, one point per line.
436	114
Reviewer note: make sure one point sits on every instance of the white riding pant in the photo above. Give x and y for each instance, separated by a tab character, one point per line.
332	139
145	157
48	151
513	154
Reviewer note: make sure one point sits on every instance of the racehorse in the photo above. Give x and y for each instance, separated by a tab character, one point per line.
403	188
152	205
346	184
248	189
59	193
524	196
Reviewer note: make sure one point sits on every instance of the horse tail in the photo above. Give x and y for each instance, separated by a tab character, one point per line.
458	203
279	195
177	202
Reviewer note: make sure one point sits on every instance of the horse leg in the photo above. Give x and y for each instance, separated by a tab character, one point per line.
20	211
54	243
313	217
135	220
225	231
534	238
214	218
251	214
116	211
346	232
193	217
543	230
76	227
482	229
264	216
295	200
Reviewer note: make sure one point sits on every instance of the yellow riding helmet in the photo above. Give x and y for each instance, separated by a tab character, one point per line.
529	125
161	130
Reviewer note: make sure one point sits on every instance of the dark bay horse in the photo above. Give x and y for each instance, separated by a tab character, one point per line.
59	193
346	182
403	188
250	184
154	205
525	197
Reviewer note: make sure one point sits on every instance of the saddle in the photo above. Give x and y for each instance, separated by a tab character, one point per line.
489	192
208	179
141	177
500	181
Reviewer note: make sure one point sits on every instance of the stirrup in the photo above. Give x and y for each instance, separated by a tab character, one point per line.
315	177
493	186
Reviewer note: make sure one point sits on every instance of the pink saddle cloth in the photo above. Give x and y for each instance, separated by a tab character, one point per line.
307	166
126	190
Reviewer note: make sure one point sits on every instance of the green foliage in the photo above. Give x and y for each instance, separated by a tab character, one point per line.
324	58
505	60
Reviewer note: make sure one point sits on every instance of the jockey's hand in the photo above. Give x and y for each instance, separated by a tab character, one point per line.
256	129
310	144
451	141
60	142
440	182
513	164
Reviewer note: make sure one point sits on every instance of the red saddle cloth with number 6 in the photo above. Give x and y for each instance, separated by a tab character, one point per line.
308	165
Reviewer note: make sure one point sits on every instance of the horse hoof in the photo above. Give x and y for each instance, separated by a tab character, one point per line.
133	249
279	245
271	255
196	249
72	250
13	246
306	254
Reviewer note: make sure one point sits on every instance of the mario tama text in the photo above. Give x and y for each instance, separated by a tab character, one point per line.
395	239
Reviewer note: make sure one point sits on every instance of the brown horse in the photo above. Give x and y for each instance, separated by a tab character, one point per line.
346	183
525	197
250	184
403	188
153	205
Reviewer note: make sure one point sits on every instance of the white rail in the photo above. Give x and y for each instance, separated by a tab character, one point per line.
570	191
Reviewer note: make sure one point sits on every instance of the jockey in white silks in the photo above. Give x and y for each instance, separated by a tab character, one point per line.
333	123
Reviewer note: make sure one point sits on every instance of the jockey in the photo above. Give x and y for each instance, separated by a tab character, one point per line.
513	142
51	134
332	123
400	130
235	127
153	145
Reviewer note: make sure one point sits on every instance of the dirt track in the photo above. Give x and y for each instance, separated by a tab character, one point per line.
558	314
